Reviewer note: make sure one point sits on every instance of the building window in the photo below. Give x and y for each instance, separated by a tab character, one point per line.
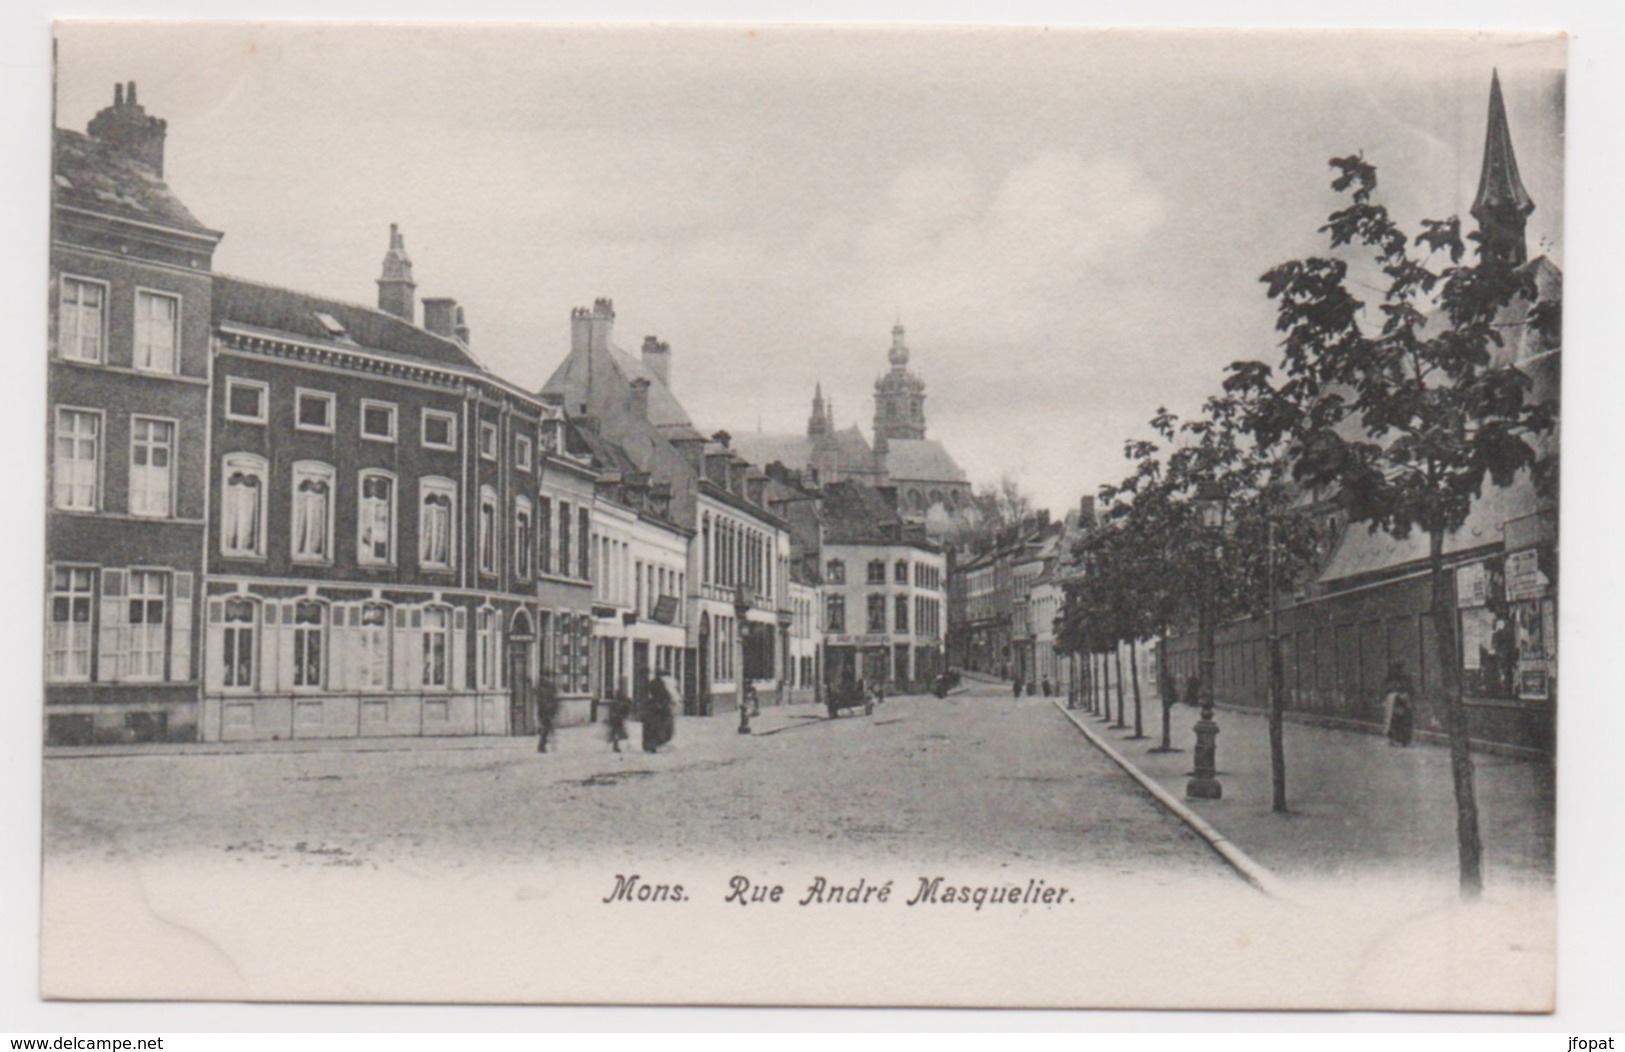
835	572
312	512
157	329
439	430
436	519
877	571
544	534
69	638
245	400
583	551
308	621
378	420
877	613
145	656
488	440
237	659
522	539
375	519
81	320
900	614
564	538
835	613
152	448
77	459
436	645
242	506
313	411
372	648
900	572
521	452
488	530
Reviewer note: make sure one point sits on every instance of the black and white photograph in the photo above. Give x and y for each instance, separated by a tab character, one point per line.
985	517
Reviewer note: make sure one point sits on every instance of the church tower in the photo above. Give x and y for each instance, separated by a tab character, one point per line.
818	424
899	397
1502	206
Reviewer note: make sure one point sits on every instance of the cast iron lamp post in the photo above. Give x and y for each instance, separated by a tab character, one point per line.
741	610
1204	782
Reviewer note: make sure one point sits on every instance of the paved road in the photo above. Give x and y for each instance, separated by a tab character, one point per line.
978	777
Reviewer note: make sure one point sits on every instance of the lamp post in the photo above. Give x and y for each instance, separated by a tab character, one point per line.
741	611
1204	781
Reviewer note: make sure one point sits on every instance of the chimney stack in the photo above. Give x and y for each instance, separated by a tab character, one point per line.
580	329
395	284
657	356
640	398
440	316
126	125
603	320
460	327
1086	510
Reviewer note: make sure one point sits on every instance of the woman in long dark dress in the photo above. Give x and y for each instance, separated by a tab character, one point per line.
656	713
1396	704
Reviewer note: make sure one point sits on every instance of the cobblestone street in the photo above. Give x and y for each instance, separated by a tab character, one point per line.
975	778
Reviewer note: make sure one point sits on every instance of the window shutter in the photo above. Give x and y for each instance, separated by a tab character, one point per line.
284	666
214	647
340	642
270	636
407	656
180	630
112	633
459	651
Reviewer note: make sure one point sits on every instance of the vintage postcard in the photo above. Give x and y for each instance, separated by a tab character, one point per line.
775	515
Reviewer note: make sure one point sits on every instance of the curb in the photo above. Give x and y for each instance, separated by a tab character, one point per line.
1237	859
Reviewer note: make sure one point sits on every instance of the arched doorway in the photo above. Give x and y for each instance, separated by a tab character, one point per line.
521	695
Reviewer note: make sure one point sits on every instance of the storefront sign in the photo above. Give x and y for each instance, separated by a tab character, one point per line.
858	641
1472	585
665	610
1524	579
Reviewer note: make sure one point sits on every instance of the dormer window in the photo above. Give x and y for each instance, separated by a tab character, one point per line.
331	325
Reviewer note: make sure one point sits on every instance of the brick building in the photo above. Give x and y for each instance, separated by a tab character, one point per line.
127	392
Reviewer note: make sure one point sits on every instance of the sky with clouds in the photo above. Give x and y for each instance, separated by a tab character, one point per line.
1070	224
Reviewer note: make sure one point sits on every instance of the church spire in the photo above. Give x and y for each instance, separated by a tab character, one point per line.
1502	206
818	424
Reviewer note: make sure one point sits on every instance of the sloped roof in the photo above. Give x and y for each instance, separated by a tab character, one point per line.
1360	552
855	452
921	460
279	310
765	447
101	177
569	381
854	513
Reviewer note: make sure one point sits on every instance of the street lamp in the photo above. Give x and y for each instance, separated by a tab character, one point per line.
1204	782
741	611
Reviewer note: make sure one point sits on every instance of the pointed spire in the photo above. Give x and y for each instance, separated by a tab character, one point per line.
1502	206
818	422
395	284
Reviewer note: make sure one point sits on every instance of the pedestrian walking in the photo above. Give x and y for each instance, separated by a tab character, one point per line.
1398	717
668	715
1017	686
620	710
1046	687
547	710
1193	690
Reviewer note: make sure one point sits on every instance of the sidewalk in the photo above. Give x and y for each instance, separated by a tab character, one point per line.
1357	804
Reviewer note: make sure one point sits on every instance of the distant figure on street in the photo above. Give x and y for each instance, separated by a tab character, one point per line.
656	715
547	710
1193	690
620	710
1398	717
1017	686
1047	688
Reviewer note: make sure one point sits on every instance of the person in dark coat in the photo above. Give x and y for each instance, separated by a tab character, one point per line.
620	710
1045	686
1398	716
547	711
1017	687
656	712
1193	690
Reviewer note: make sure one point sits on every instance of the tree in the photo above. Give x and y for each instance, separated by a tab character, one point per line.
1404	410
1003	503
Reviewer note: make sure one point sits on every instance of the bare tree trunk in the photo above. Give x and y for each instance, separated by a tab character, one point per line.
1117	653
1277	692
1134	673
1105	688
1165	692
1470	850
